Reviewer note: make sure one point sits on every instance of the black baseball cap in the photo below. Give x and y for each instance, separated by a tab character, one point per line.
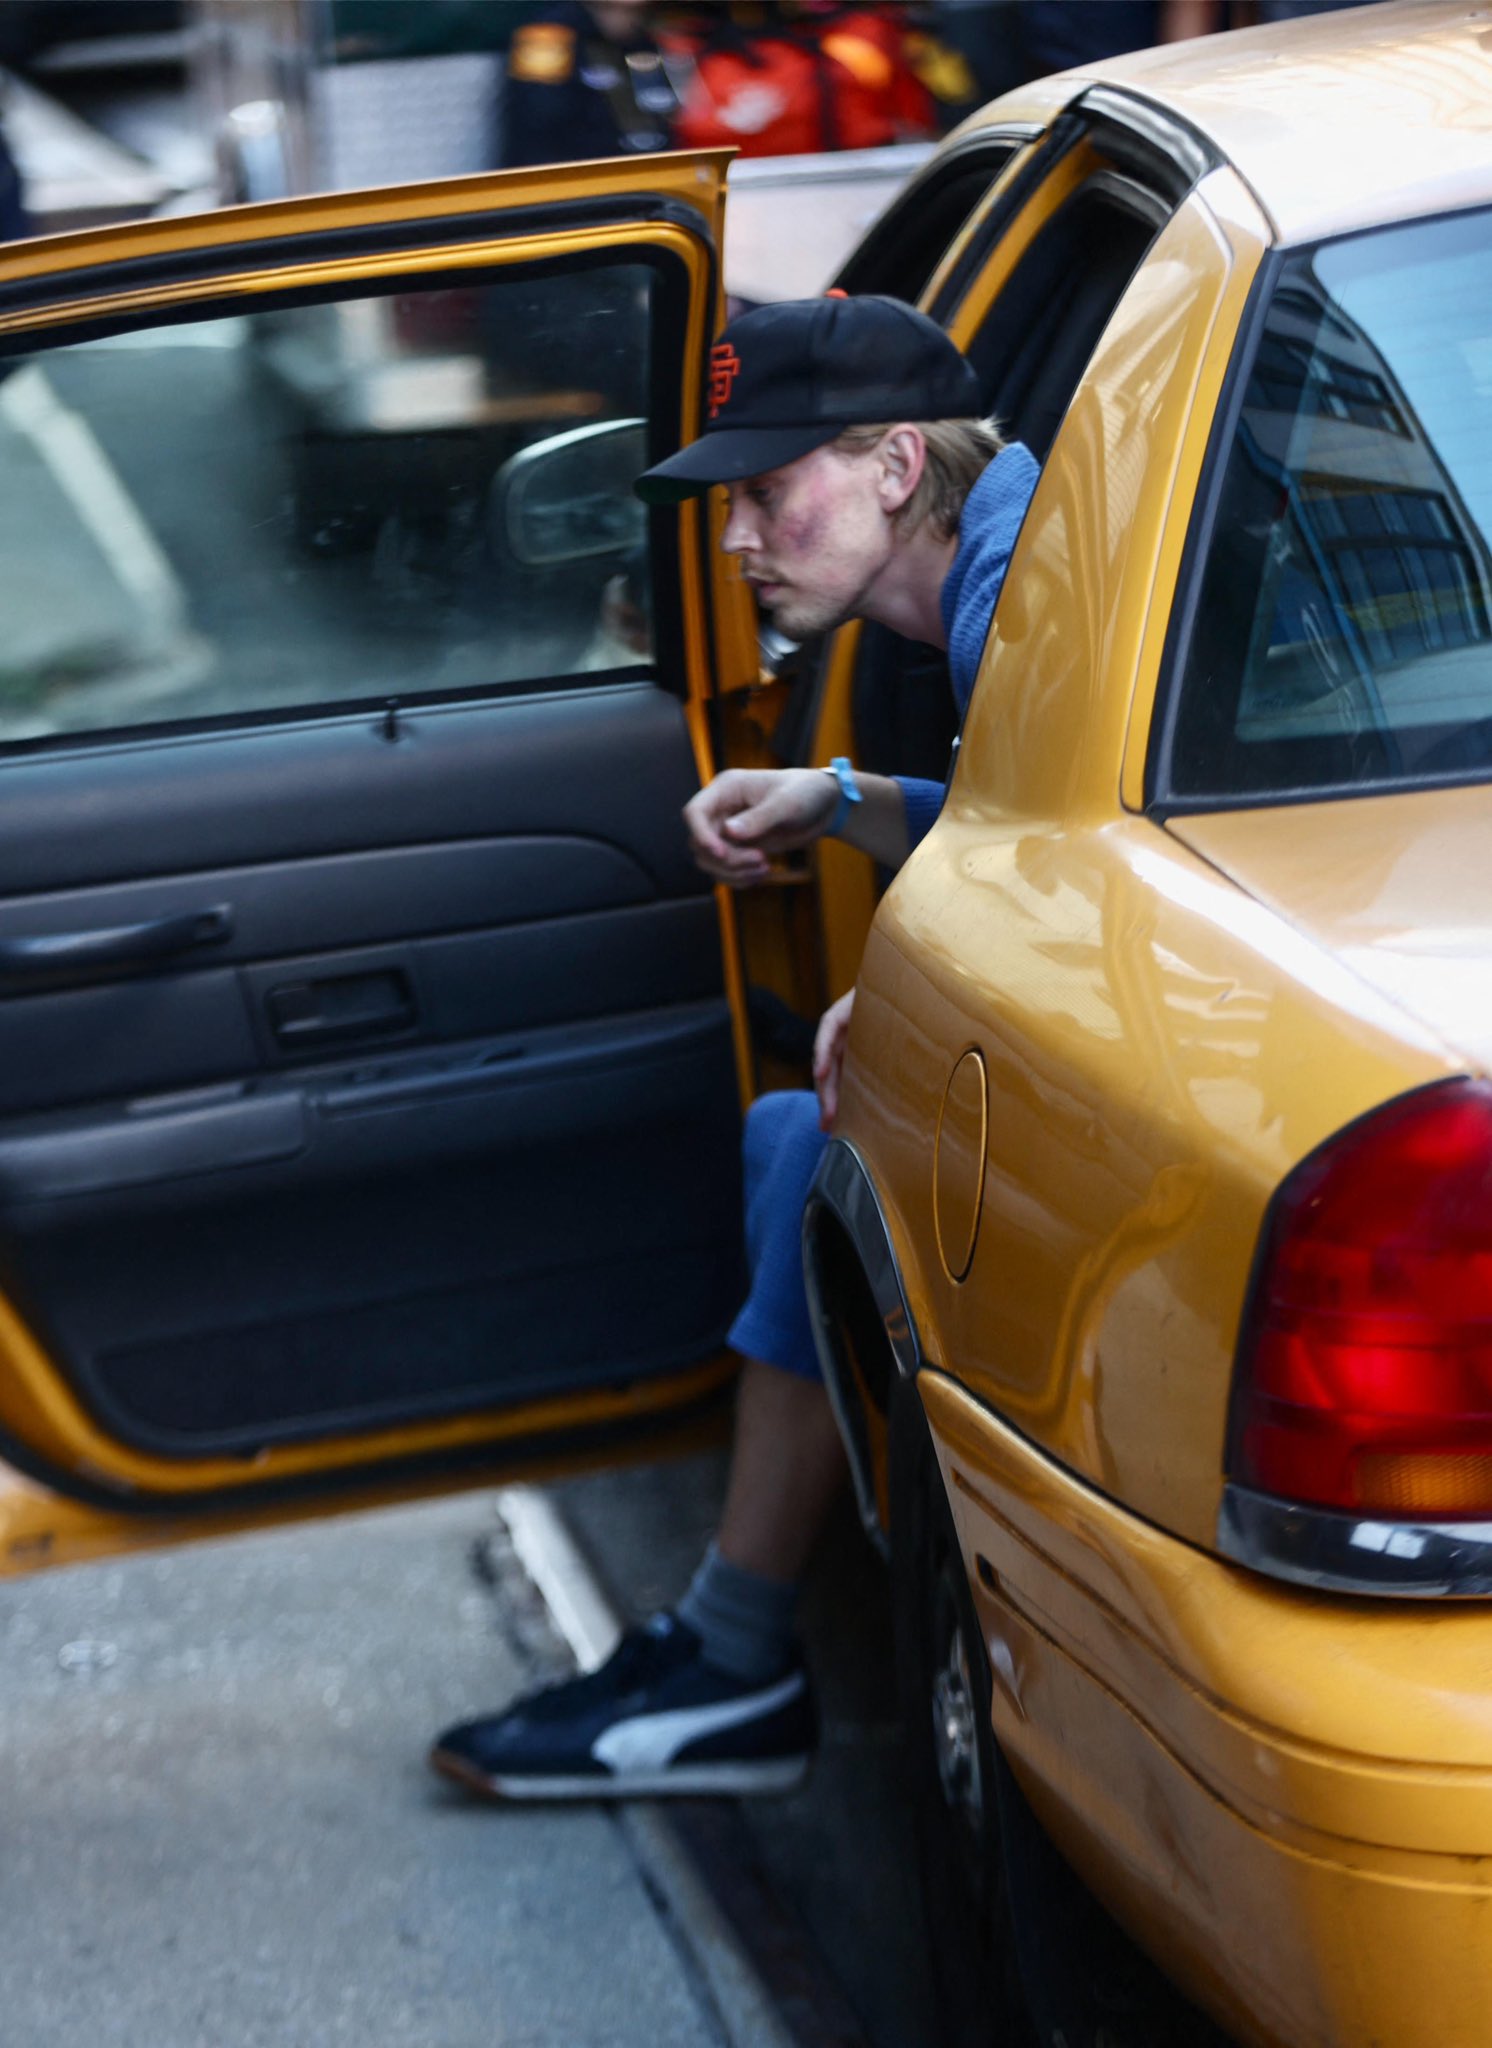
785	379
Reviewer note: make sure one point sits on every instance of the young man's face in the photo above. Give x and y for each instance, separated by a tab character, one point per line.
812	538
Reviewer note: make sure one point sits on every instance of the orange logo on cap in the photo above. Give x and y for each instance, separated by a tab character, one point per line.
725	366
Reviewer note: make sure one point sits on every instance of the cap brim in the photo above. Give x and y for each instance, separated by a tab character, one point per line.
725	457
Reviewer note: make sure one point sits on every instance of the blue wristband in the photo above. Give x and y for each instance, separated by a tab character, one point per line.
850	794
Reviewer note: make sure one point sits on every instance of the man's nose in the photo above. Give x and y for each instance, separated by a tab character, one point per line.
740	534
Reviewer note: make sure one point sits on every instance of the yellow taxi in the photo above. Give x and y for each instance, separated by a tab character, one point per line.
372	1056
1153	1251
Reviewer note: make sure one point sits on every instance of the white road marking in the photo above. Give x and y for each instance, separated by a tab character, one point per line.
548	1553
91	484
589	1624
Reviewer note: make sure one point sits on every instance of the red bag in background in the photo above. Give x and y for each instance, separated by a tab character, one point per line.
791	81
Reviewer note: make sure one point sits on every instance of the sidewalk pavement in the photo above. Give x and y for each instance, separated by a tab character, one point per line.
220	1826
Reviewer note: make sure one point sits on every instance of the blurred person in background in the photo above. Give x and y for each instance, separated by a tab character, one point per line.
980	37
585	81
1056	35
1248	11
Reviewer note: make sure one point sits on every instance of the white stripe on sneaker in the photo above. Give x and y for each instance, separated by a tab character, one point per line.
649	1742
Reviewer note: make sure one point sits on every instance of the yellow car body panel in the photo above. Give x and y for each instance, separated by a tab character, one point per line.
1394	886
1047	724
1287	1798
1160	1054
1160	1050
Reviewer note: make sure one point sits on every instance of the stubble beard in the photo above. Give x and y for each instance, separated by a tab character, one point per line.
799	614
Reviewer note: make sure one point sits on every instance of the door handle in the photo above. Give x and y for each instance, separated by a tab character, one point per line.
340	1009
53	959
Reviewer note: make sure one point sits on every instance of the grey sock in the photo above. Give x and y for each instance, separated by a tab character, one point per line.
744	1621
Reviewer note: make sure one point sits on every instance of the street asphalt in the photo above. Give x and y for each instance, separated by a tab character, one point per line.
220	1831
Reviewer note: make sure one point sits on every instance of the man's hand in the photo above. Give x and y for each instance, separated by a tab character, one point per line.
738	821
828	1057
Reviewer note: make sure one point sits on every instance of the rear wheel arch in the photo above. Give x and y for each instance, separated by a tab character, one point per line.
866	1338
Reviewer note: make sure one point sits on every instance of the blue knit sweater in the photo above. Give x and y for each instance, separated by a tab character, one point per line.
987	533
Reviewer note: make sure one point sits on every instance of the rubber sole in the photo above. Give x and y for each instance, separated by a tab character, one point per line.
688	1781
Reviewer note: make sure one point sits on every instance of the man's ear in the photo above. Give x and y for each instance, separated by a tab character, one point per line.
903	453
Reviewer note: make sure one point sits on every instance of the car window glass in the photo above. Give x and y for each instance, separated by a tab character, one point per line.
422	492
904	248
1345	612
1032	349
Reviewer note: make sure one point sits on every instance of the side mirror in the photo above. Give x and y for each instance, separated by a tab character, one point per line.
570	498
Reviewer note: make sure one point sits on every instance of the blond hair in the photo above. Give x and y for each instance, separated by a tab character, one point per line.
958	452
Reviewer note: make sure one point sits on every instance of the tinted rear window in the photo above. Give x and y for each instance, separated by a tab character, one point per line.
1343	637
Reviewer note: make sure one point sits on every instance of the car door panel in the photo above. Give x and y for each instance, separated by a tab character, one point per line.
553	1019
366	1062
357	1318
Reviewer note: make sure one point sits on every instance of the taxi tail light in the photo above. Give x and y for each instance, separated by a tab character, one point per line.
1364	1377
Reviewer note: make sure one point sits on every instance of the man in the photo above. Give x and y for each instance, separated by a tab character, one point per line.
584	81
863	485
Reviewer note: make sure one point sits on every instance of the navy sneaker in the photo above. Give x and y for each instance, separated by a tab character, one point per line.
655	1718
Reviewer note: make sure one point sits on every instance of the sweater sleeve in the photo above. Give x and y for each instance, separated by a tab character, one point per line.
923	800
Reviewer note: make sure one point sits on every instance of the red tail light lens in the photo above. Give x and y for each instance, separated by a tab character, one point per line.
1365	1370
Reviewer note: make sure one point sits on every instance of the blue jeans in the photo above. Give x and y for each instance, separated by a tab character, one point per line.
782	1148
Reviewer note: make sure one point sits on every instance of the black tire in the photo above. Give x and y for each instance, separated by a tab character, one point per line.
953	1763
1021	1954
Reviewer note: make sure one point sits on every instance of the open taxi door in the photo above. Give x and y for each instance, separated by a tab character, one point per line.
371	1053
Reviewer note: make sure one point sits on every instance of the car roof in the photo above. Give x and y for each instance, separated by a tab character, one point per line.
1336	121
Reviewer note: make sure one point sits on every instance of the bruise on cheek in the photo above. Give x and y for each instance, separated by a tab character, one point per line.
802	530
802	516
